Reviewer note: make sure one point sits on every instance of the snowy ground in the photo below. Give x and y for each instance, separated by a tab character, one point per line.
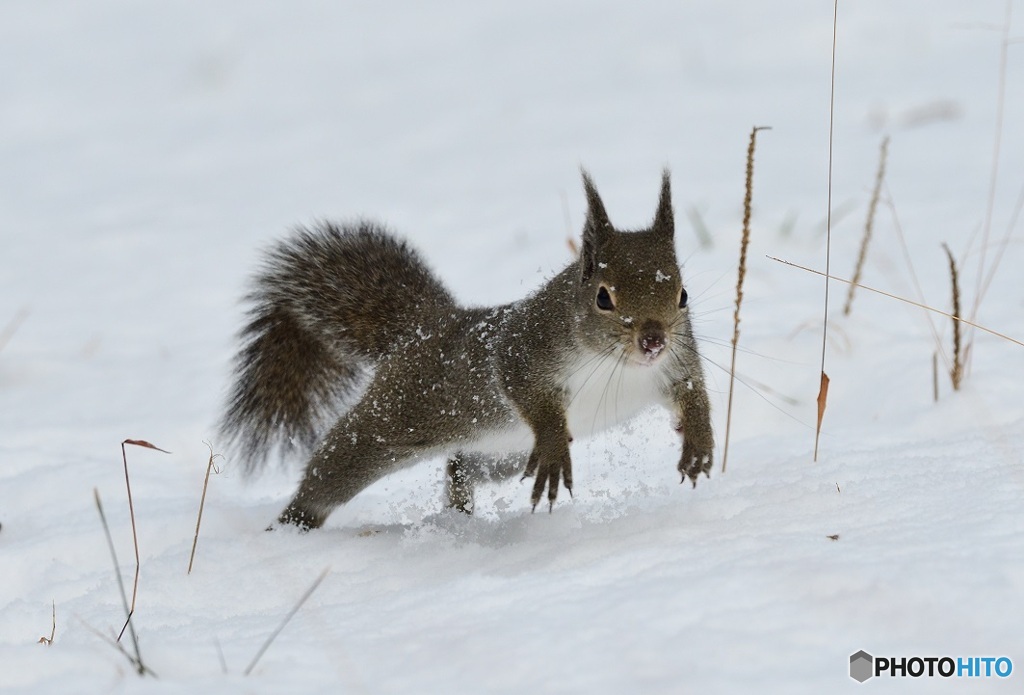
148	152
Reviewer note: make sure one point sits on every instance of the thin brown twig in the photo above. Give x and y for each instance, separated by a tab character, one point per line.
1004	46
202	501
53	630
1003	243
287	618
137	659
700	228
748	195
220	656
823	388
119	647
12	327
905	300
869	224
135	534
908	259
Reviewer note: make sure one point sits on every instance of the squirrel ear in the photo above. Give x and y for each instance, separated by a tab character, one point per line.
663	221
597	225
597	218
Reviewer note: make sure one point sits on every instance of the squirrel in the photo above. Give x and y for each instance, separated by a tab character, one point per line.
349	316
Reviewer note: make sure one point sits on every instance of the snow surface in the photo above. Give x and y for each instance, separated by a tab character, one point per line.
148	151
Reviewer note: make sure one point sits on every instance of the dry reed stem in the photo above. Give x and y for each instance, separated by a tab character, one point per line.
119	647
137	659
53	630
700	228
869	224
12	327
287	618
135	534
220	656
986	229
935	377
908	259
823	390
956	372
1003	243
202	502
919	305
748	196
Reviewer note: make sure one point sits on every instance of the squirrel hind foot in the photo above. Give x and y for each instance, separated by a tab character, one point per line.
304	519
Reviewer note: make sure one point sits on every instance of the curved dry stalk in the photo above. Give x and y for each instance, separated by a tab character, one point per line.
12	327
869	224
741	274
287	618
202	501
997	147
823	390
137	659
135	534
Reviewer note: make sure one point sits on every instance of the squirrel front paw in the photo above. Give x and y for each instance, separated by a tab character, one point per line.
549	467
695	460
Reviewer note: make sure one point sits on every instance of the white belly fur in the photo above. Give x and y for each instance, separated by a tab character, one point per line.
600	393
604	392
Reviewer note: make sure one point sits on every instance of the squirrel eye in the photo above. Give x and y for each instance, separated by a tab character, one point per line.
604	300
683	298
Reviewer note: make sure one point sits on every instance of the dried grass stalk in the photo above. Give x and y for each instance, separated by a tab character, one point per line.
53	630
956	372
202	501
287	618
869	224
748	196
135	533
822	392
12	327
136	660
997	148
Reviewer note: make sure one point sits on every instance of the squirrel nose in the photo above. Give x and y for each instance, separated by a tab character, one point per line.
652	342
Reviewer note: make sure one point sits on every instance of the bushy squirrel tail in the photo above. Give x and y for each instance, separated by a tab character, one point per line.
328	303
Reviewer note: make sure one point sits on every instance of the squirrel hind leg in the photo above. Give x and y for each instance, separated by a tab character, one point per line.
459	484
303	518
466	470
361	448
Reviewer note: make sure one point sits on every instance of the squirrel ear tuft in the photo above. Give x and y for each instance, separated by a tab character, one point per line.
663	220
597	225
597	218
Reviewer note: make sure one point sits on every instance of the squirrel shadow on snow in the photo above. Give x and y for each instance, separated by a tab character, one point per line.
499	390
